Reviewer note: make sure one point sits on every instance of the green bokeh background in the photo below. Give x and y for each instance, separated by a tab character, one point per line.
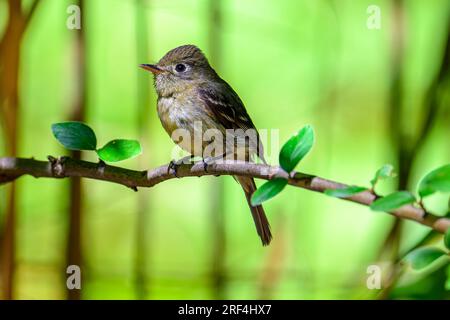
292	63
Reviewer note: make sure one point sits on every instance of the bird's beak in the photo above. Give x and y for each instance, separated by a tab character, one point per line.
152	68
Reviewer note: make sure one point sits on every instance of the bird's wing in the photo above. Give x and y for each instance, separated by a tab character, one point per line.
228	109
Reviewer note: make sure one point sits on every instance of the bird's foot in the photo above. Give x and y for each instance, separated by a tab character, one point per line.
211	160
205	164
174	164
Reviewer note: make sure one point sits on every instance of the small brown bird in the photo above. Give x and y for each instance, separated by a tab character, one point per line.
191	92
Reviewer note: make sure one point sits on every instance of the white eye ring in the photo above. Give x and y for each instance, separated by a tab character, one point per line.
180	67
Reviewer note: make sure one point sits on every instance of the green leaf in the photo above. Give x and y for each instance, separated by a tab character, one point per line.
296	148
119	149
436	180
393	201
75	135
423	257
447	239
386	171
344	192
268	190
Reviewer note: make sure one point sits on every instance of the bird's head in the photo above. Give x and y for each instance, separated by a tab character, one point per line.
179	69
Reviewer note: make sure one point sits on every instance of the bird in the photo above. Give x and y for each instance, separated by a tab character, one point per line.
193	98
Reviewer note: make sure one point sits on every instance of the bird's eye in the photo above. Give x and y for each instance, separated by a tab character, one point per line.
180	67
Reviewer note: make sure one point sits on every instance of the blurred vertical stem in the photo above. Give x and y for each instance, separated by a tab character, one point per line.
408	150
217	200
328	55
10	54
328	59
74	251
272	269
143	102
391	243
390	247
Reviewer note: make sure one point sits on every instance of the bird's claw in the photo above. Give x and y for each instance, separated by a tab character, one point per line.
205	165
208	161
211	160
173	165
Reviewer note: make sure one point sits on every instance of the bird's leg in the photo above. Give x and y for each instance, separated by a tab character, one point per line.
174	164
210	160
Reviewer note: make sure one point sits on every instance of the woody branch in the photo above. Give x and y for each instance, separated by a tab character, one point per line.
62	167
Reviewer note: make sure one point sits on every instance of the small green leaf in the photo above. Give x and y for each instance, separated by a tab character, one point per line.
296	148
75	135
436	180
119	149
268	190
423	257
393	201
447	239
386	171
345	192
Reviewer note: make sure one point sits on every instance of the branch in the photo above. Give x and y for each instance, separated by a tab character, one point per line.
31	11
13	168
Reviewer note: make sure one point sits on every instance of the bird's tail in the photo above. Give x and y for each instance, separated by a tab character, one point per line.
259	216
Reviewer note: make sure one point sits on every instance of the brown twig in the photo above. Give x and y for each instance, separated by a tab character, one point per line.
13	168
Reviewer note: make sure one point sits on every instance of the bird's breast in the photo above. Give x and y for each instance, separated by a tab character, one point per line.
183	112
187	114
167	108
